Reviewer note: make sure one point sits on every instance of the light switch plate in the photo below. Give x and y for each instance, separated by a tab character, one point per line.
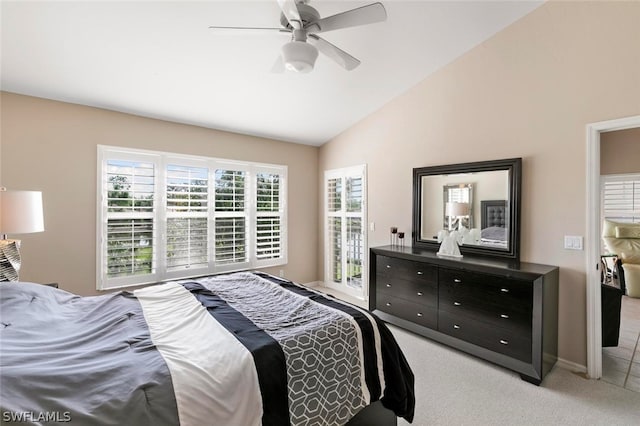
573	242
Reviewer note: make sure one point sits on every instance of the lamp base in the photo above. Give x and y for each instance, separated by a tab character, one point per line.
9	260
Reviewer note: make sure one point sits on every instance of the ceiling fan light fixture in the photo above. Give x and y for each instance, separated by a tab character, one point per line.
299	56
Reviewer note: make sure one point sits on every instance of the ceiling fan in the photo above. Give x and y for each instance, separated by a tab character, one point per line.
304	24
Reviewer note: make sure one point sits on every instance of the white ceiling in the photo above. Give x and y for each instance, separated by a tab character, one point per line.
159	59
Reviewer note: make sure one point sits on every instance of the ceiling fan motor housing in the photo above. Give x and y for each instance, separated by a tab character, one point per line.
299	56
307	14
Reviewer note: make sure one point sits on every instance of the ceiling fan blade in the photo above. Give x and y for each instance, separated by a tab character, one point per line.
248	29
290	11
338	55
364	15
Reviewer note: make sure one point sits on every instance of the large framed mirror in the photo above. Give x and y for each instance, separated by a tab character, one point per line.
480	200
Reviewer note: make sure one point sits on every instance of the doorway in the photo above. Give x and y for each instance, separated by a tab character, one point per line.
594	311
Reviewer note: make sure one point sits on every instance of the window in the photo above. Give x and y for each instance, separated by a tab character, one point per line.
345	238
187	220
620	197
167	216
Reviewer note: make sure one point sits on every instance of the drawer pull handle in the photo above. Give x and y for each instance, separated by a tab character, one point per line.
457	280
388	303
388	285
504	290
456	326
419	293
388	266
419	273
504	316
420	314
504	342
457	303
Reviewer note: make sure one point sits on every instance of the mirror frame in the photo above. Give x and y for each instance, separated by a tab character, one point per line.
513	165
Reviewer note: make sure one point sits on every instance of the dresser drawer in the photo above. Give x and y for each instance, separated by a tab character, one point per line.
421	292
389	267
410	311
496	339
495	315
486	291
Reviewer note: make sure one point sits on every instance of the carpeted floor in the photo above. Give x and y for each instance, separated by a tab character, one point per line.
453	388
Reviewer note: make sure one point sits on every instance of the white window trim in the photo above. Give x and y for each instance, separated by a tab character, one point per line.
360	171
161	160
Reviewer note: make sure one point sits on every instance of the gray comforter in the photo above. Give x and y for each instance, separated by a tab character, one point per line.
239	349
89	360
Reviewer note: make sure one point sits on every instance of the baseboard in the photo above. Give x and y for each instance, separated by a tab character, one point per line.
313	284
571	366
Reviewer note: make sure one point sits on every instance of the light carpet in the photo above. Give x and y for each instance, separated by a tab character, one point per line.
453	388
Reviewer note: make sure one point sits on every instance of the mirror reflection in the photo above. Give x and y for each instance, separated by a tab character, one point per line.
473	204
477	203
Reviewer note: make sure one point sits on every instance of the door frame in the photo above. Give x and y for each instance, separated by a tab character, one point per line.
592	237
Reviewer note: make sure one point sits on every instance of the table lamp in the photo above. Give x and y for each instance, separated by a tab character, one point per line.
20	213
458	211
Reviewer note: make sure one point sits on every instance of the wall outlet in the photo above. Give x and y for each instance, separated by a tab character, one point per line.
281	273
573	242
372	226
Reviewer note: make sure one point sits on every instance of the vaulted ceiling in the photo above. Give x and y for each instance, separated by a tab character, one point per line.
159	59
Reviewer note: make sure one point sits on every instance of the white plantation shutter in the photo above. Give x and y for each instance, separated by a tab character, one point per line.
130	238
269	211
230	190
345	237
334	253
621	197
187	241
334	194
230	216
231	236
166	216
355	252
354	196
458	195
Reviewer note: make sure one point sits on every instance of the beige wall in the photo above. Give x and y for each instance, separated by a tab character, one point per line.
51	146
620	152
527	92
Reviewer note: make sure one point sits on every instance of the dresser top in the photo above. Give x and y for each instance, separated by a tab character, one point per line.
470	262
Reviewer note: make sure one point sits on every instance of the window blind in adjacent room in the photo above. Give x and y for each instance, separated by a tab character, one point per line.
621	197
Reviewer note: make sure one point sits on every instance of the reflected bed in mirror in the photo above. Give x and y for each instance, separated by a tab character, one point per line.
480	201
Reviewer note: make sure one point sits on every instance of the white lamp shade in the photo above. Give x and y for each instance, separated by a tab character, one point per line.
457	209
299	56
21	212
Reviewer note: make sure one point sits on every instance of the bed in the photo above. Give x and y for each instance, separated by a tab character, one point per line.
238	349
493	223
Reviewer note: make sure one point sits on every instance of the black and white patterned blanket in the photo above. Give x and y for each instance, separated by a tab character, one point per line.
237	349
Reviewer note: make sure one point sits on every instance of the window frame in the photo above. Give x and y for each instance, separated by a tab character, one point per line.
161	161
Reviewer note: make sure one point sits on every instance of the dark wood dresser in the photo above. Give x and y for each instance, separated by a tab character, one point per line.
503	311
